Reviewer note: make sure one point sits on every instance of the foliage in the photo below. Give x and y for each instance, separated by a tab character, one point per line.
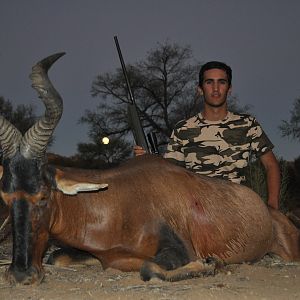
256	179
293	191
111	154
164	87
22	117
235	106
292	128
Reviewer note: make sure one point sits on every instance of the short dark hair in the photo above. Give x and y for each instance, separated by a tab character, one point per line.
215	65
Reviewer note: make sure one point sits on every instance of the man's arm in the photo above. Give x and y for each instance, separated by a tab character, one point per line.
271	165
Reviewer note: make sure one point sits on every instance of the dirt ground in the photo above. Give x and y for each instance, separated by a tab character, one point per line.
268	279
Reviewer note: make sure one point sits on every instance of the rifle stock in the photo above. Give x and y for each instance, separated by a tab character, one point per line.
134	120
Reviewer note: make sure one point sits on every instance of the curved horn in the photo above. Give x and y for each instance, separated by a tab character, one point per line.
35	141
9	138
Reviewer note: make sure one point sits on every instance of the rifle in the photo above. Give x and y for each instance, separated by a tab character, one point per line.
134	120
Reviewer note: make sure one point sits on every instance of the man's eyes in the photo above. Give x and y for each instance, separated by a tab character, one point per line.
209	81
221	81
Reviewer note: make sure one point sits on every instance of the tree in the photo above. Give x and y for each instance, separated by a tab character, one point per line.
23	116
292	128
97	154
164	87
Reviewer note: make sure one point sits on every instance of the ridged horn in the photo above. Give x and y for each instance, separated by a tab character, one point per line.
35	141
10	138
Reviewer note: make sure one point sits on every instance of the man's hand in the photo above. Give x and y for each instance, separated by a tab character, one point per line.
138	150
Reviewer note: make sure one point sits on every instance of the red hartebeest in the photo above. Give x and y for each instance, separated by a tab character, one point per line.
147	215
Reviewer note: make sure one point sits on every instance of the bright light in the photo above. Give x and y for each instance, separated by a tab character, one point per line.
105	140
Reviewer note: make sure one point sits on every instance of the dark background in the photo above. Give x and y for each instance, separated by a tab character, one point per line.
259	39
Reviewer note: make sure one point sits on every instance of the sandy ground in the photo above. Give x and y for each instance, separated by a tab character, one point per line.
268	279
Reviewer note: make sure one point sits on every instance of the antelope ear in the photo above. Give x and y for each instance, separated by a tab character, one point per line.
1	171
70	186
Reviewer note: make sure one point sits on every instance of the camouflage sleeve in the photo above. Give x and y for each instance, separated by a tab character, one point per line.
260	142
174	151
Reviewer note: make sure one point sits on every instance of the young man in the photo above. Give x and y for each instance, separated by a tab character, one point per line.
217	142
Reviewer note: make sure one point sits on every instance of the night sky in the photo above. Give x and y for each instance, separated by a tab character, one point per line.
259	39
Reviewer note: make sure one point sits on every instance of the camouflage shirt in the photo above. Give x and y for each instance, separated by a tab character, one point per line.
217	148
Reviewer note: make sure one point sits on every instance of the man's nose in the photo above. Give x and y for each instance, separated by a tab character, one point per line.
215	86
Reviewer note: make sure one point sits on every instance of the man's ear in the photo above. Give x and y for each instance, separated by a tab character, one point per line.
199	91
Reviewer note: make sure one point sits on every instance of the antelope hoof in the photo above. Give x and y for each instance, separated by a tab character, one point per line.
27	277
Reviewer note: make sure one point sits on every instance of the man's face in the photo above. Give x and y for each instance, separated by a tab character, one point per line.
215	87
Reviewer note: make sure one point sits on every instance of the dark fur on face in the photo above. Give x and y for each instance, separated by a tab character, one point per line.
21	229
23	174
23	177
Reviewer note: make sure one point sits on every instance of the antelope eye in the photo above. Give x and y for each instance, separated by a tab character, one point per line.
42	203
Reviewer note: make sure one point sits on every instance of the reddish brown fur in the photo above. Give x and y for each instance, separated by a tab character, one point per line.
120	225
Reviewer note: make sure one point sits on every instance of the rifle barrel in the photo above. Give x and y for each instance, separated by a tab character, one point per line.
124	70
134	120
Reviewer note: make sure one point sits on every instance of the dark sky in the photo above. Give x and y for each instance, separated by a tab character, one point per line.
259	39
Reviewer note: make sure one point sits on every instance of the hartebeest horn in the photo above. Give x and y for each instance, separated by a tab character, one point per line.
10	138
35	141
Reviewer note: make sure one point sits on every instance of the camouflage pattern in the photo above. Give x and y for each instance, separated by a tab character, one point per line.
217	149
